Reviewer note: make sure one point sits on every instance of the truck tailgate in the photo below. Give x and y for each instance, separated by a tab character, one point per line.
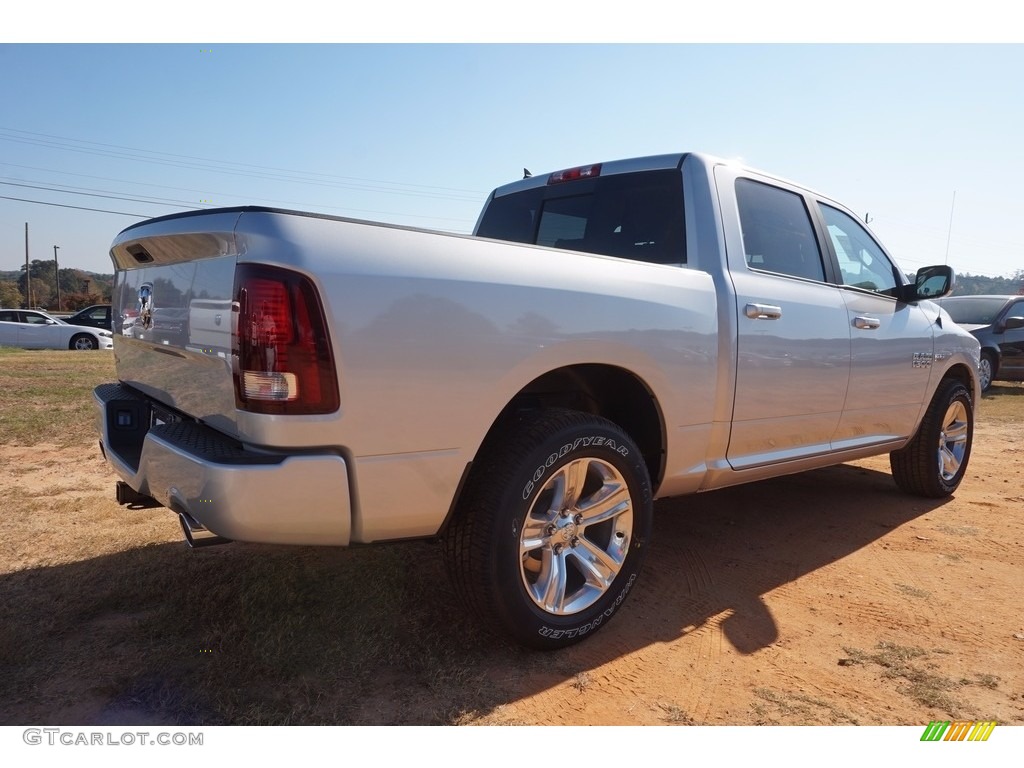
173	313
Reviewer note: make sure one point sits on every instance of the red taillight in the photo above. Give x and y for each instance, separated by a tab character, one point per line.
571	174
282	353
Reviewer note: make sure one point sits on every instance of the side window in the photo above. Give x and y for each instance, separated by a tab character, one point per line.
777	232
8	316
34	318
862	263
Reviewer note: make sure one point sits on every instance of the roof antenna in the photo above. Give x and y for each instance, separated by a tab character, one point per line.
949	232
526	173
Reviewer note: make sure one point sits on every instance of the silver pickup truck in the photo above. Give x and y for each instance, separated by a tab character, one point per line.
610	334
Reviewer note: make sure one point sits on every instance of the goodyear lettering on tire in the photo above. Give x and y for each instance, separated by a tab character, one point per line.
585	442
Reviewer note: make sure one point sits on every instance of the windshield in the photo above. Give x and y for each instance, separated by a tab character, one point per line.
973	311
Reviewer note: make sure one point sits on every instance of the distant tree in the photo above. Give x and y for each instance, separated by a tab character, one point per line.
10	295
80	300
973	285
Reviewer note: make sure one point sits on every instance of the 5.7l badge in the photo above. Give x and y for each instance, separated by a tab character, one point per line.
922	359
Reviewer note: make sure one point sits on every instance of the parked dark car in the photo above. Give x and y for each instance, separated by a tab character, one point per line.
998	323
96	316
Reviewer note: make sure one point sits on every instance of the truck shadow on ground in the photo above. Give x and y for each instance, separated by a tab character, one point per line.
250	634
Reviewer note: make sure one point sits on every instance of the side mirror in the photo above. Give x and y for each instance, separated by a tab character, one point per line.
929	283
1011	324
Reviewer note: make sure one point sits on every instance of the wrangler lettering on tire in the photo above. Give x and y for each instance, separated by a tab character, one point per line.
551	527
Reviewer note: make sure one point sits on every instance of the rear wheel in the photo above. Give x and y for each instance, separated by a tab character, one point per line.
934	462
551	527
83	342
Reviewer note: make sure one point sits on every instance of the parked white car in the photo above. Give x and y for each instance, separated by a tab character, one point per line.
32	329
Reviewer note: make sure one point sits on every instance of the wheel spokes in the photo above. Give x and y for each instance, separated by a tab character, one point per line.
576	537
549	589
608	503
953	440
569	482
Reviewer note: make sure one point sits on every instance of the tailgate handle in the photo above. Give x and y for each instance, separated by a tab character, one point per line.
762	312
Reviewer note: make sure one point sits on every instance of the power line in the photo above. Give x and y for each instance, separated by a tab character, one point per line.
189	205
244	165
78	207
242	169
96	193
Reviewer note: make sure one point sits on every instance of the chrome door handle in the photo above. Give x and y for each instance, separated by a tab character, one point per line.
762	312
866	323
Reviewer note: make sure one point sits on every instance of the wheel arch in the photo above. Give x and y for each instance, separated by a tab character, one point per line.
600	389
992	351
615	393
960	372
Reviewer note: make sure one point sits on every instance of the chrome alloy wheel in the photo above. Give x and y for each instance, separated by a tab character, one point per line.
953	440
576	536
985	372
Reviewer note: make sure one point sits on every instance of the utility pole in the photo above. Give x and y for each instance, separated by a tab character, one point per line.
28	275
56	275
949	232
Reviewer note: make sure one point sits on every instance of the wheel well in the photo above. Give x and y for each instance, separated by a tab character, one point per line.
962	374
603	390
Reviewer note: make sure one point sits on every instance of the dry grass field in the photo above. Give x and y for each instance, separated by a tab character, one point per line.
823	598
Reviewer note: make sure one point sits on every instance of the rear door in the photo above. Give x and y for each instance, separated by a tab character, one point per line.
793	344
9	322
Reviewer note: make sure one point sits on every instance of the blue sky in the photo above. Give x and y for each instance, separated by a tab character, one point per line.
418	134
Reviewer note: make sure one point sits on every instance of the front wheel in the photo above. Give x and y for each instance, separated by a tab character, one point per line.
934	462
82	342
551	527
986	369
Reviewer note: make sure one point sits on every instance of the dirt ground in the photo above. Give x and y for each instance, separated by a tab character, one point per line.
822	598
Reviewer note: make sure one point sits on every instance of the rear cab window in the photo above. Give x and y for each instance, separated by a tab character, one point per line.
637	216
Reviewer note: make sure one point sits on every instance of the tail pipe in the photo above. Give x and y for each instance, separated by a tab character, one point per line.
196	534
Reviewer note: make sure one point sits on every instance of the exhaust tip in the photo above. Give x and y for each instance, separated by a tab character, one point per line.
196	534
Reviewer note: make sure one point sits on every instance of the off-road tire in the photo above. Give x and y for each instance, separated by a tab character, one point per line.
551	527
935	460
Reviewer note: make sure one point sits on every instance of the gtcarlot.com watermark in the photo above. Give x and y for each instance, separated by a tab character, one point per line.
72	738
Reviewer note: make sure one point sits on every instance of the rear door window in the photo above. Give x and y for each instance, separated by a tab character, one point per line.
777	232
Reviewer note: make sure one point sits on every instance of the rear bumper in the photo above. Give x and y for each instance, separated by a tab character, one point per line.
236	493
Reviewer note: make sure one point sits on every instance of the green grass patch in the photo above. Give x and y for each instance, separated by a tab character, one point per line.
46	395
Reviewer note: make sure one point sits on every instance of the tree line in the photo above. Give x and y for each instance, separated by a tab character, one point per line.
974	285
78	288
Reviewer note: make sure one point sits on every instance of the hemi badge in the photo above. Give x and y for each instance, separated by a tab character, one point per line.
922	359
